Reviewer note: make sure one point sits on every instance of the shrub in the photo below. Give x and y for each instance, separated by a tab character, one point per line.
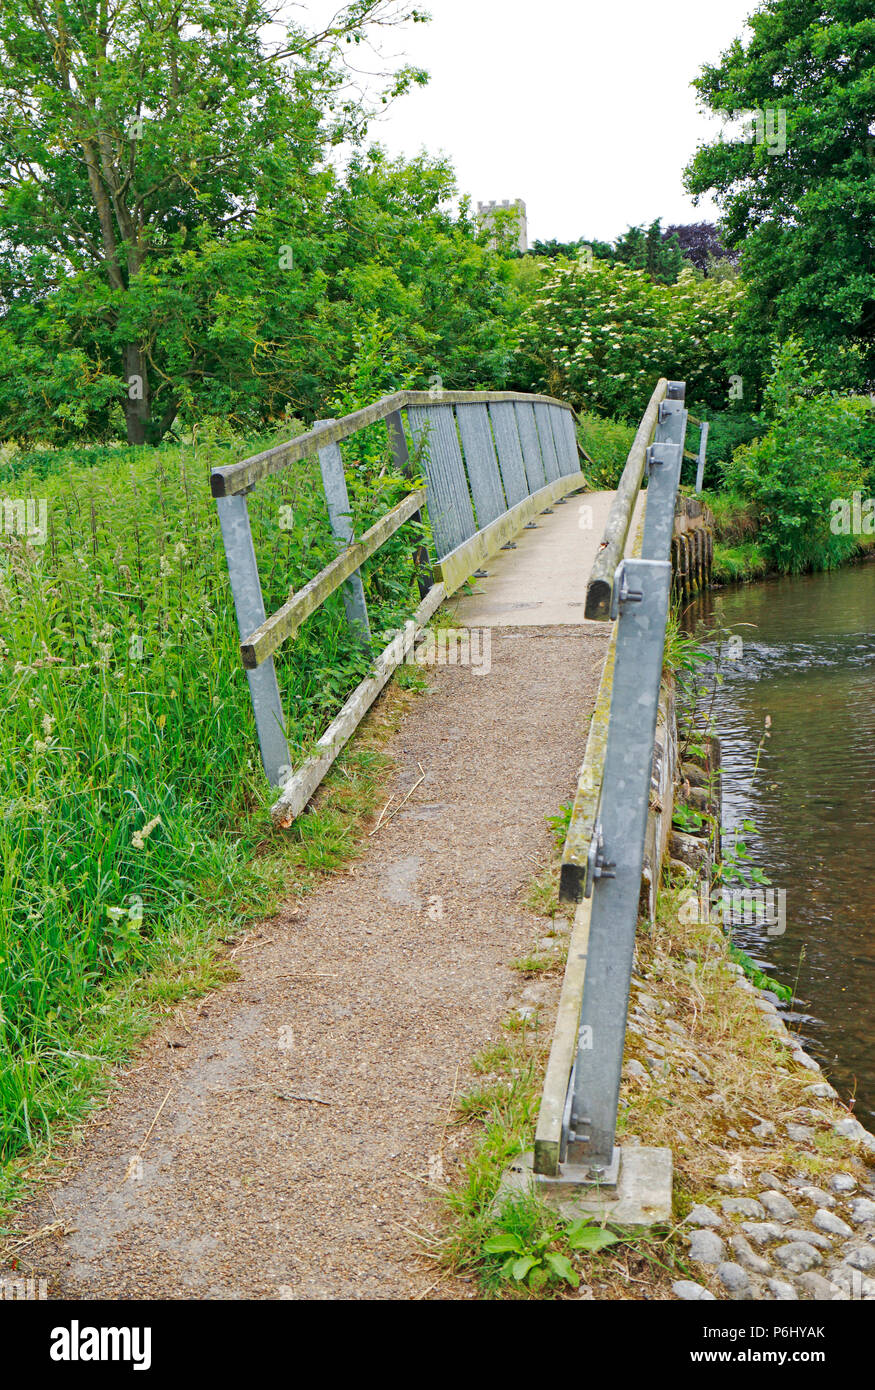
608	443
600	337
810	454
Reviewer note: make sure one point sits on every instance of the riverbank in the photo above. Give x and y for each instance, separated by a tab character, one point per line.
773	1184
739	554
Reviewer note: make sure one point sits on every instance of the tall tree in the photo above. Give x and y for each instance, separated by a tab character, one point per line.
651	250
701	245
797	188
135	137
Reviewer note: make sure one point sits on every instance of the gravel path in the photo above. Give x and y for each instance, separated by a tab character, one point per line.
371	999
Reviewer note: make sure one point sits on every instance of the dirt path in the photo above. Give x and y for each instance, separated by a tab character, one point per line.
373	999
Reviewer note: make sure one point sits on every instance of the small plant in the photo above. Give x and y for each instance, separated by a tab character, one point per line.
560	824
532	1264
735	866
535	965
758	977
687	818
535	1245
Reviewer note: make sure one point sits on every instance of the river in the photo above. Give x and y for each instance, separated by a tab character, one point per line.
807	666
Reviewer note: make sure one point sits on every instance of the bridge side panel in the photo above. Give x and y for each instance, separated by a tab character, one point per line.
566	439
525	418
481	463
548	445
510	454
449	501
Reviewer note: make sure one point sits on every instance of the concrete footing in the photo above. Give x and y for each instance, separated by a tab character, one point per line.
642	1196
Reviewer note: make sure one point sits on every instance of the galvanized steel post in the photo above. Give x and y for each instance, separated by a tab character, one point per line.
700	465
337	499
640	602
401	461
642	595
249	607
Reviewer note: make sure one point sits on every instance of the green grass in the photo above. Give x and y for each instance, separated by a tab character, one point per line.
134	830
732	563
608	443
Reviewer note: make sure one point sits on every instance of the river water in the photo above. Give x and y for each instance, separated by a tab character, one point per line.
807	666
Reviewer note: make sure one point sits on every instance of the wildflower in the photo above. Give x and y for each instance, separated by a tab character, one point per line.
164	570
140	837
179	551
48	725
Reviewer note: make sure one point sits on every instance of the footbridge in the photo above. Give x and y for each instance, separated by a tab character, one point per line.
517	541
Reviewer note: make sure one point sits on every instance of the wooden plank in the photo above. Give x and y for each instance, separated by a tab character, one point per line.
510	454
285	622
455	568
450	511
481	463
238	477
535	471
572	875
548	1134
601	579
301	786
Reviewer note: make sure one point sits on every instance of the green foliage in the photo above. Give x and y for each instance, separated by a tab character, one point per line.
809	454
759	977
176	243
727	429
601	336
799	202
533	1248
651	250
607	442
739	563
131	783
559	824
527	1256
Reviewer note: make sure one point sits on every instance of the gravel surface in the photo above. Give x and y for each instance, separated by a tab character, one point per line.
371	997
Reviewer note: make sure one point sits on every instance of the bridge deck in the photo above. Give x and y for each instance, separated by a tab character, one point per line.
542	583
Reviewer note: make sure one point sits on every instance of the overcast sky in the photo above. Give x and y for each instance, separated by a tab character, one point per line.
583	108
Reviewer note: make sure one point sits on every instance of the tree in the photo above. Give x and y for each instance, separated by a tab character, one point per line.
652	250
797	192
701	245
159	160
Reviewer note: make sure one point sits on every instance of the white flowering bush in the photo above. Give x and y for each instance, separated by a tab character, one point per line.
601	336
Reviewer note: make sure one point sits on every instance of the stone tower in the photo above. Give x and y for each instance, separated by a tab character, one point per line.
486	217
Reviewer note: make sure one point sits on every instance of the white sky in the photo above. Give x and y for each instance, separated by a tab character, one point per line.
583	108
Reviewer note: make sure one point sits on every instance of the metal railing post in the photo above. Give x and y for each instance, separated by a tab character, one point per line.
401	461
249	607
337	499
640	592
642	596
664	458
700	465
